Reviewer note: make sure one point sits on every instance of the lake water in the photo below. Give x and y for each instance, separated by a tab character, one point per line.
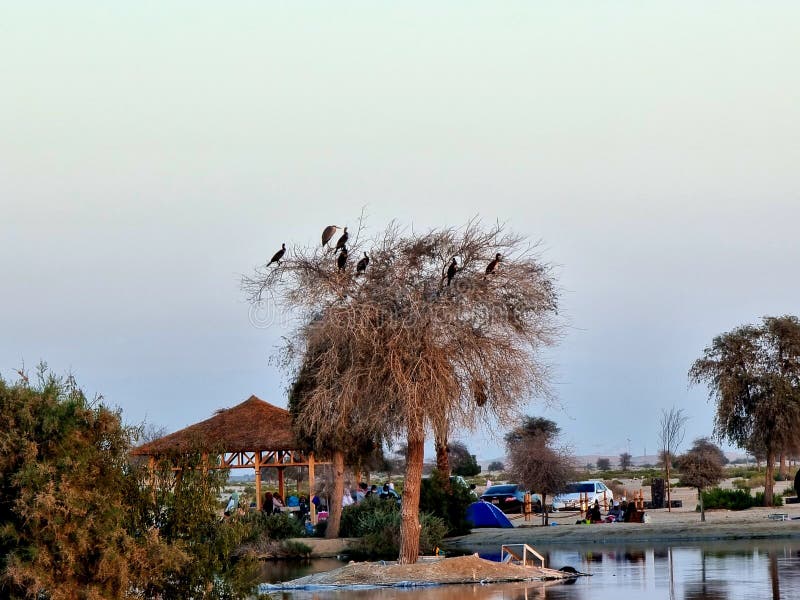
732	570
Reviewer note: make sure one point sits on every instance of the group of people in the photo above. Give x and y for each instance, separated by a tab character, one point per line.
625	512
365	491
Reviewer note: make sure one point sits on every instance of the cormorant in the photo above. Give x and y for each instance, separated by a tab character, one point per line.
361	266
278	255
327	234
342	260
342	240
451	271
493	265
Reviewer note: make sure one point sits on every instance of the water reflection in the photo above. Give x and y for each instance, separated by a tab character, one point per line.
733	570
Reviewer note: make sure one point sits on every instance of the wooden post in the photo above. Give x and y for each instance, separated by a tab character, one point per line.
281	485
258	480
311	485
527	506
151	467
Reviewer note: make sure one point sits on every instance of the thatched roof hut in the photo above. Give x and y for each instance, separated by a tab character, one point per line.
251	435
253	425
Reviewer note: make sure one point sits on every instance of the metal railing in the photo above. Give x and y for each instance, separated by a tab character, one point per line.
519	553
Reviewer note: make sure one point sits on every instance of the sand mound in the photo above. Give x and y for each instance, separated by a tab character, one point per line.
461	569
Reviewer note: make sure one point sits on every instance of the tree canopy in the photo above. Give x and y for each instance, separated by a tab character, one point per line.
414	341
701	467
753	375
536	462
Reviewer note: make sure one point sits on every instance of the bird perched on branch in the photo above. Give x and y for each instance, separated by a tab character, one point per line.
327	234
493	265
361	266
342	240
276	258
451	271
341	261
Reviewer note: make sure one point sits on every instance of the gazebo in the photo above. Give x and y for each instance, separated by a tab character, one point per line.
251	435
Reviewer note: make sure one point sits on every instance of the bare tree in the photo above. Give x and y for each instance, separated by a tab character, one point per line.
672	428
410	345
536	462
701	467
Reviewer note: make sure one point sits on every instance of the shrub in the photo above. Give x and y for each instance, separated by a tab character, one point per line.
759	500
735	499
352	516
377	525
275	527
450	506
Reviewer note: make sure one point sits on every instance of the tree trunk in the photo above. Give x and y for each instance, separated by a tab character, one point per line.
782	460
702	508
667	461
769	478
335	508
545	517
409	511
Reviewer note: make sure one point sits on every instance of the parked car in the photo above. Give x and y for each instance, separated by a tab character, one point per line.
592	489
509	497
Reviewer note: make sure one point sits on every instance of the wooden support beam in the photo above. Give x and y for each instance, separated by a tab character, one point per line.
258	480
281	485
311	485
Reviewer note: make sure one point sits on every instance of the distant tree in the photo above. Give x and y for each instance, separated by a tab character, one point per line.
671	429
589	466
536	463
753	375
603	464
462	462
496	465
625	461
534	428
701	467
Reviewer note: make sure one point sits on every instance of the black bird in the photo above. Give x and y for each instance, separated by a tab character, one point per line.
451	271
342	240
493	265
278	255
342	260
327	234
361	266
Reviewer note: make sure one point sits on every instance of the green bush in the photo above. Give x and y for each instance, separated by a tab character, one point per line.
352	516
275	527
728	499
450	506
777	500
376	524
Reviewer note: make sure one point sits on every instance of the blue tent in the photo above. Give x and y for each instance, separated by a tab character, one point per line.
484	514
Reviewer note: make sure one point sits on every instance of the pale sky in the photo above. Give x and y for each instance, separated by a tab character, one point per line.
153	152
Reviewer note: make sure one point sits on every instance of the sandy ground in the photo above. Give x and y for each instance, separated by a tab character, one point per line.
679	524
462	569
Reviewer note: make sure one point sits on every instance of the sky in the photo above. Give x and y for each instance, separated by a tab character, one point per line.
152	153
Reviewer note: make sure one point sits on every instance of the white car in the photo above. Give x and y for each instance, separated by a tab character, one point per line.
592	489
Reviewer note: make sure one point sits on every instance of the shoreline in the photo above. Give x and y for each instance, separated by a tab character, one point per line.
679	525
